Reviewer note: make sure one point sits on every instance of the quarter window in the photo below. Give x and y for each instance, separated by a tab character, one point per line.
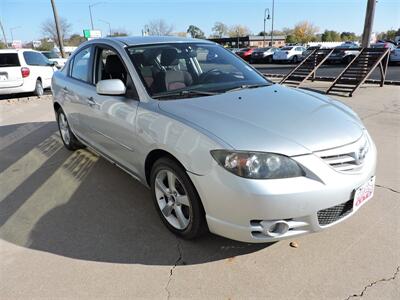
81	65
35	59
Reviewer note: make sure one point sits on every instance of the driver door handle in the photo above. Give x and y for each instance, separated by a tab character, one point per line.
91	101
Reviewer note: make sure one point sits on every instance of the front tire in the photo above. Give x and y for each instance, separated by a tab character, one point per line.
69	139
38	88
176	199
295	59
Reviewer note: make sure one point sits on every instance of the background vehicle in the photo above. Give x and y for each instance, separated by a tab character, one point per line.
262	55
395	55
344	53
289	54
245	53
24	70
53	56
308	51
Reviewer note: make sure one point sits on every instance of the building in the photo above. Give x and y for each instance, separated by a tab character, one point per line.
250	41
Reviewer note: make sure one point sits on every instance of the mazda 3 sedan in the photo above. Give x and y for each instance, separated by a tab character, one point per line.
221	148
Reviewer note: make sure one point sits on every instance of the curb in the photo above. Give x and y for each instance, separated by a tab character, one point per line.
327	78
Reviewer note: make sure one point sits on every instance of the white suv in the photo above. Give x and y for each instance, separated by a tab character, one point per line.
24	71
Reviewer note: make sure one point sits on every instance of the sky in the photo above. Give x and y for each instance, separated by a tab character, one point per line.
132	15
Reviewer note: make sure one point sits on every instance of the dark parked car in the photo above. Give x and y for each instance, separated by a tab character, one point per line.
262	55
344	53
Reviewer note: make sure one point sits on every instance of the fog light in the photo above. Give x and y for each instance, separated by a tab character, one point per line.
274	228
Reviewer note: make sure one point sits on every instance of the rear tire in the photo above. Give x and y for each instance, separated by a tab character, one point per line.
269	59
38	88
176	200
295	59
69	139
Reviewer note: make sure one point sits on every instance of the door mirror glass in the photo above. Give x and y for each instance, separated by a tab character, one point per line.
110	87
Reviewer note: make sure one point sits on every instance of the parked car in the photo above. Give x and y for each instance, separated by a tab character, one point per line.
395	55
344	54
245	53
289	54
216	143
53	56
262	55
308	51
388	45
24	71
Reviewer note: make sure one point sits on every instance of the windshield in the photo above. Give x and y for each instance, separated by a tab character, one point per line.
50	55
287	48
198	67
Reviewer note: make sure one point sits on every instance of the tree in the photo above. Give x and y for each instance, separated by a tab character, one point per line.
2	45
75	40
45	45
348	36
238	30
291	39
49	29
195	32
159	27
388	35
220	29
304	31
330	36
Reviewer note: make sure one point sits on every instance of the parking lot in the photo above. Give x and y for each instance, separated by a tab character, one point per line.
393	72
72	225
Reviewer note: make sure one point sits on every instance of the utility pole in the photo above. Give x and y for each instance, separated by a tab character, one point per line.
109	26
58	27
272	23
4	35
369	21
90	12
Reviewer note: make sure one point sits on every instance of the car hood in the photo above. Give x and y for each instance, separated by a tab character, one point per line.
272	119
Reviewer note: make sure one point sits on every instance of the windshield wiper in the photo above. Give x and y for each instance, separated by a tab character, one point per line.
184	93
247	86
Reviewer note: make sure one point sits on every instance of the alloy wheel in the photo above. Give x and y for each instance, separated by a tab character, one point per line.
64	128
172	199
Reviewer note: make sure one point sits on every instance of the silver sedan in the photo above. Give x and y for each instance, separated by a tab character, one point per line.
221	148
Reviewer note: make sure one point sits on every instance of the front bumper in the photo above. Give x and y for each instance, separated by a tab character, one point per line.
236	207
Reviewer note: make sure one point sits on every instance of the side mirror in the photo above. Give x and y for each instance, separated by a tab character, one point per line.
110	87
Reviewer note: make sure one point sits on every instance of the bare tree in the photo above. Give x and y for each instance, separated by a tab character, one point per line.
238	30
159	27
49	29
219	29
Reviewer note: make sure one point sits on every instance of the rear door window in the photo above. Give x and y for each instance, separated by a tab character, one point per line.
81	65
35	59
9	60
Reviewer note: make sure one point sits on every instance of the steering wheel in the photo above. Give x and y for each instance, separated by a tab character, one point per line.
207	74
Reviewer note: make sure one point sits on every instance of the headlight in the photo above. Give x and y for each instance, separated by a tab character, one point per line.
257	165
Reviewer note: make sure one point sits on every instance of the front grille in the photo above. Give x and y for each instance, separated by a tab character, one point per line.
334	213
341	162
347	158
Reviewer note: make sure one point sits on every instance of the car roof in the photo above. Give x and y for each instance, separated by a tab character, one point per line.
142	40
15	50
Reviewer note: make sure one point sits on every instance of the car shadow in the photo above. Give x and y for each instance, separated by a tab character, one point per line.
23	95
78	205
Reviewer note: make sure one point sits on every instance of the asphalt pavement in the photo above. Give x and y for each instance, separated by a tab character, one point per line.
393	72
73	226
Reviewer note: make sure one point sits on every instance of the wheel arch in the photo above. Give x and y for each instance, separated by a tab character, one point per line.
153	156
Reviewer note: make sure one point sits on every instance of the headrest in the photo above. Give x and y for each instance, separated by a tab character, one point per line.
113	65
140	59
169	57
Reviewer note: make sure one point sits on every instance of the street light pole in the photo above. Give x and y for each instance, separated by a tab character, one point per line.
265	19
109	25
90	12
272	23
4	35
